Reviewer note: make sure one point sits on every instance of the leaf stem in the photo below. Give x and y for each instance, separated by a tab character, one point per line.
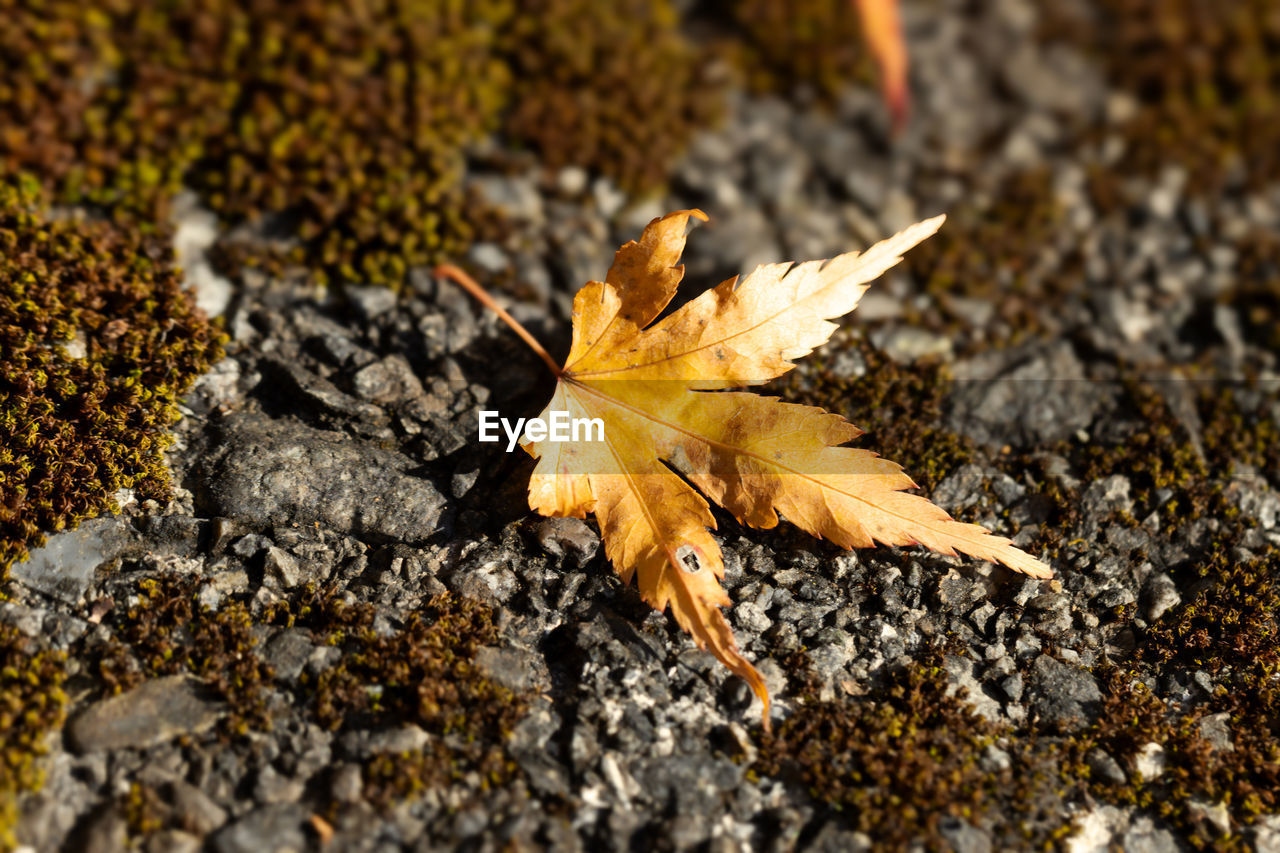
458	276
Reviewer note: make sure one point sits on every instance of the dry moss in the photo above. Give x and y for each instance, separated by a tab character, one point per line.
347	125
97	341
347	120
1205	76
422	673
782	47
1016	270
1199	774
1257	290
612	87
906	763
32	705
168	631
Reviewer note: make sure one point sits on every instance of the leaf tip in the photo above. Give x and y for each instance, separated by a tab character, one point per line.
932	224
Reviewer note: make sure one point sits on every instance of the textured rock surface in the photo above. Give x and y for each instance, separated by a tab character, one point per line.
278	472
152	713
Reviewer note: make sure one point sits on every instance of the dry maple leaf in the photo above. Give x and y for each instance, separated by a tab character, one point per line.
660	391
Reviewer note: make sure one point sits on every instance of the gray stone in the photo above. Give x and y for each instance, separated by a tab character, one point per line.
515	669
1144	836
282	567
194	809
1108	494
64	566
1216	730
347	783
908	344
272	787
1215	815
1150	761
964	837
1104	767
962	682
1061	693
173	841
287	653
1266	834
1040	400
516	196
388	381
489	257
152	713
572	181
962	488
370	302
1159	595
409	738
106	832
1096	830
318	394
283	473
270	829
568	537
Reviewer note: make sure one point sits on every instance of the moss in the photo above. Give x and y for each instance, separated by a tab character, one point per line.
75	428
1240	426
1233	623
1244	778
1255	290
897	765
898	406
1228	628
422	673
32	705
612	87
1205	75
978	256
144	811
346	120
167	631
781	47
347	125
425	674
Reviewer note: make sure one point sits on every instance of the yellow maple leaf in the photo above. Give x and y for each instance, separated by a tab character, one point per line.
660	391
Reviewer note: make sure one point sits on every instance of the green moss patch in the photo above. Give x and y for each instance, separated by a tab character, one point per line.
97	341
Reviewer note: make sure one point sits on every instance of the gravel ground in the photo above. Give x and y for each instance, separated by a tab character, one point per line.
330	462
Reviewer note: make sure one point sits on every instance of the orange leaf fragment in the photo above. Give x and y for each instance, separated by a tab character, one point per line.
882	29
